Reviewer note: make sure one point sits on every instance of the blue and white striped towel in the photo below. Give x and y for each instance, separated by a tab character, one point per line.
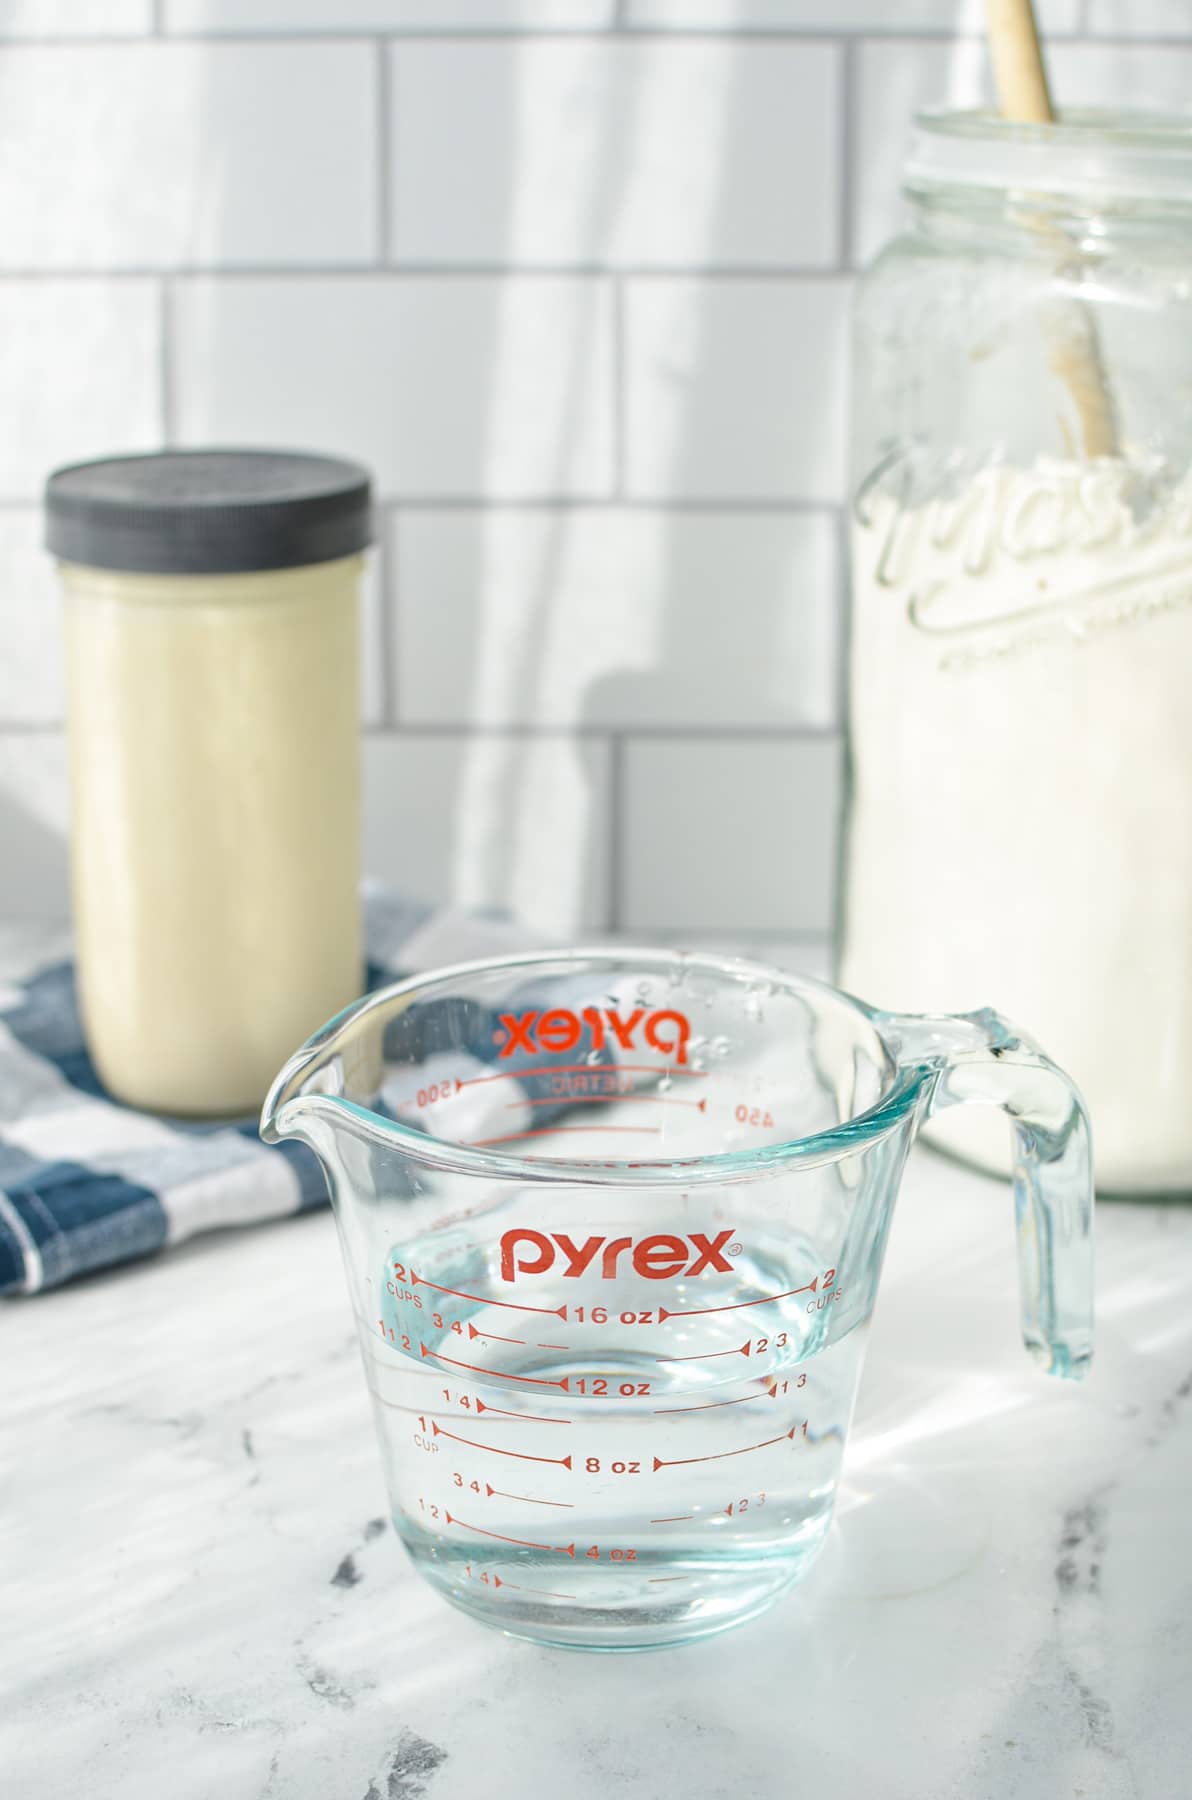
86	1182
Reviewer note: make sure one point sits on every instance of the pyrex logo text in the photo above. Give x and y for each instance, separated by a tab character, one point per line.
561	1030
657	1258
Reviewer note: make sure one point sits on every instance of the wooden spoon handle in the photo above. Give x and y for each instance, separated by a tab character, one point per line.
1018	69
1023	94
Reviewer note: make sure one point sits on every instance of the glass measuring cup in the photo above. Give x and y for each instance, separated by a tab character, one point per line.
613	1223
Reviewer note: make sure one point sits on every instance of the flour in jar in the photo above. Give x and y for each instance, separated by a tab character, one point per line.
1021	819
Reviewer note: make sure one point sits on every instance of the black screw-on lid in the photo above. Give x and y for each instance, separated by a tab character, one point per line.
208	512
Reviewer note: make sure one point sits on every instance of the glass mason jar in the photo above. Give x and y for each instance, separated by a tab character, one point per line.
1020	810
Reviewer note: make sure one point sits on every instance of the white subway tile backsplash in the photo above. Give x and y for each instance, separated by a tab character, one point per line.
600	640
729	833
34	826
656	153
895	80
794	955
797	956
1140	75
444	387
30	624
508	822
155	155
75	18
1141	18
735	389
387	15
79	374
837	15
614	617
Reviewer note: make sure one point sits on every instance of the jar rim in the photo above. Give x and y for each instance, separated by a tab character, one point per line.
1090	154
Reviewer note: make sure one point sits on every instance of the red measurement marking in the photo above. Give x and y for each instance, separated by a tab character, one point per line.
707	1355
526	1544
607	1100
676	1520
499	1412
655	1579
557	1312
494	1335
675	1462
710	1405
564	1462
689	1312
530	1418
500	1494
503	1374
550	1593
559	1130
575	1100
552	1346
410	1519
583	1069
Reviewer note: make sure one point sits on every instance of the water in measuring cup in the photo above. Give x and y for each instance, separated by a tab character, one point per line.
612	1471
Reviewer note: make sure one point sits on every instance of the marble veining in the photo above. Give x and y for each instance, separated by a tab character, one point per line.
412	1764
202	1597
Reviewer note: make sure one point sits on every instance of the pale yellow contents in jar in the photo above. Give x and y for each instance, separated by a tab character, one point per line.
215	788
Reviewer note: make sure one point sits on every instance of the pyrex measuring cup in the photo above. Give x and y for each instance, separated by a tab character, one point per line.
613	1223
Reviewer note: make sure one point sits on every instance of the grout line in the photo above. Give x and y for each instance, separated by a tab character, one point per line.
838	840
728	34
436	271
469	34
159	18
785	508
14	503
839	836
722	937
620	398
166	362
842	646
697	731
619	736
390	571
384	144
845	151
616	824
788	506
81	40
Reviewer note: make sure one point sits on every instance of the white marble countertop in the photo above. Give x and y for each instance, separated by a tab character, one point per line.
201	1596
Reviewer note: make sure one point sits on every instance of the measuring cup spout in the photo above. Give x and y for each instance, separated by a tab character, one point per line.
307	1097
290	1111
980	1059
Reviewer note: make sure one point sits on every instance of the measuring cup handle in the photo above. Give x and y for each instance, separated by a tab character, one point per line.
980	1059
